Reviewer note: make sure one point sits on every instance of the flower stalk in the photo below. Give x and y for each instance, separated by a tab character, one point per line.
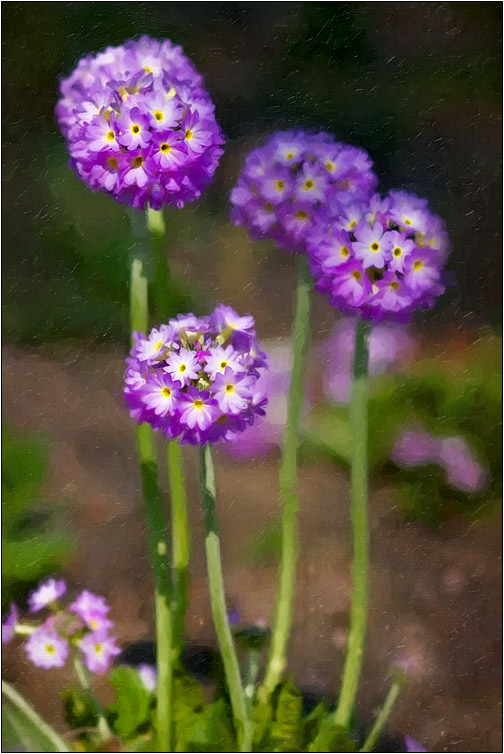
288	485
218	603
385	712
358	416
155	518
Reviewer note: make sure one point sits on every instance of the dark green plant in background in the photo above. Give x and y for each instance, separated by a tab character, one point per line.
31	545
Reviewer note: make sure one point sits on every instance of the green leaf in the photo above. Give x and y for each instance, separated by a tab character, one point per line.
81	711
26	727
327	429
132	706
331	738
286	732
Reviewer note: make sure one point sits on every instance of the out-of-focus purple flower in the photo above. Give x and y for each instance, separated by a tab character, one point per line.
45	594
9	624
89	606
395	251
412	745
294	178
99	650
390	346
196	378
416	447
234	615
463	470
139	124
148	675
46	649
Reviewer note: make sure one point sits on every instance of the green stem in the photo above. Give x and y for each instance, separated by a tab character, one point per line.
358	416
218	602
156	522
288	485
179	525
384	714
180	542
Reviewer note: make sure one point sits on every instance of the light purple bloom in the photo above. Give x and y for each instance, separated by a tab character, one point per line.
415	448
294	179
463	470
99	650
46	649
139	125
45	594
196	378
390	346
394	239
88	604
9	624
412	745
148	675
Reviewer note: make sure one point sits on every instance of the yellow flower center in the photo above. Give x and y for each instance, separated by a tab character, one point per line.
110	136
407	221
345	251
301	214
182	368
269	207
165	147
147	69
330	166
375	246
229	388
418	265
135	128
279	185
397	251
289	156
352	224
159	115
112	163
357	275
198	404
93	623
50	649
98	649
188	134
166	392
223	364
309	184
395	285
138	162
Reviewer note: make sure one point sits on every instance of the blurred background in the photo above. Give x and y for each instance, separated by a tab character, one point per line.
419	86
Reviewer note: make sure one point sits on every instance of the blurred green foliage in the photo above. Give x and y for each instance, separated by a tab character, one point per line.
452	397
31	547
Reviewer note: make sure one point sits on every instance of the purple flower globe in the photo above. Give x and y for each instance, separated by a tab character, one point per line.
139	124
294	178
196	378
384	258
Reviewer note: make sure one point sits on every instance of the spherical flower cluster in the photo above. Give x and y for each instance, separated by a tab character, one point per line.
384	258
196	378
139	125
294	178
82	628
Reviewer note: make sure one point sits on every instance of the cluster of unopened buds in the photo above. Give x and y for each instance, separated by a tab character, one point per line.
196	378
82	628
140	125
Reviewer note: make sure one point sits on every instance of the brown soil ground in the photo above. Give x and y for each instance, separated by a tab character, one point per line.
435	595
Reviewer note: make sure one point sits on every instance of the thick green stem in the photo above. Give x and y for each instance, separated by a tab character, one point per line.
288	485
155	518
180	542
384	714
218	602
179	525
358	415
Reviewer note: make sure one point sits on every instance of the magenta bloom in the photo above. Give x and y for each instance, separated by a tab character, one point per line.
45	594
294	179
46	649
99	650
412	745
139	125
196	378
398	246
148	675
9	624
